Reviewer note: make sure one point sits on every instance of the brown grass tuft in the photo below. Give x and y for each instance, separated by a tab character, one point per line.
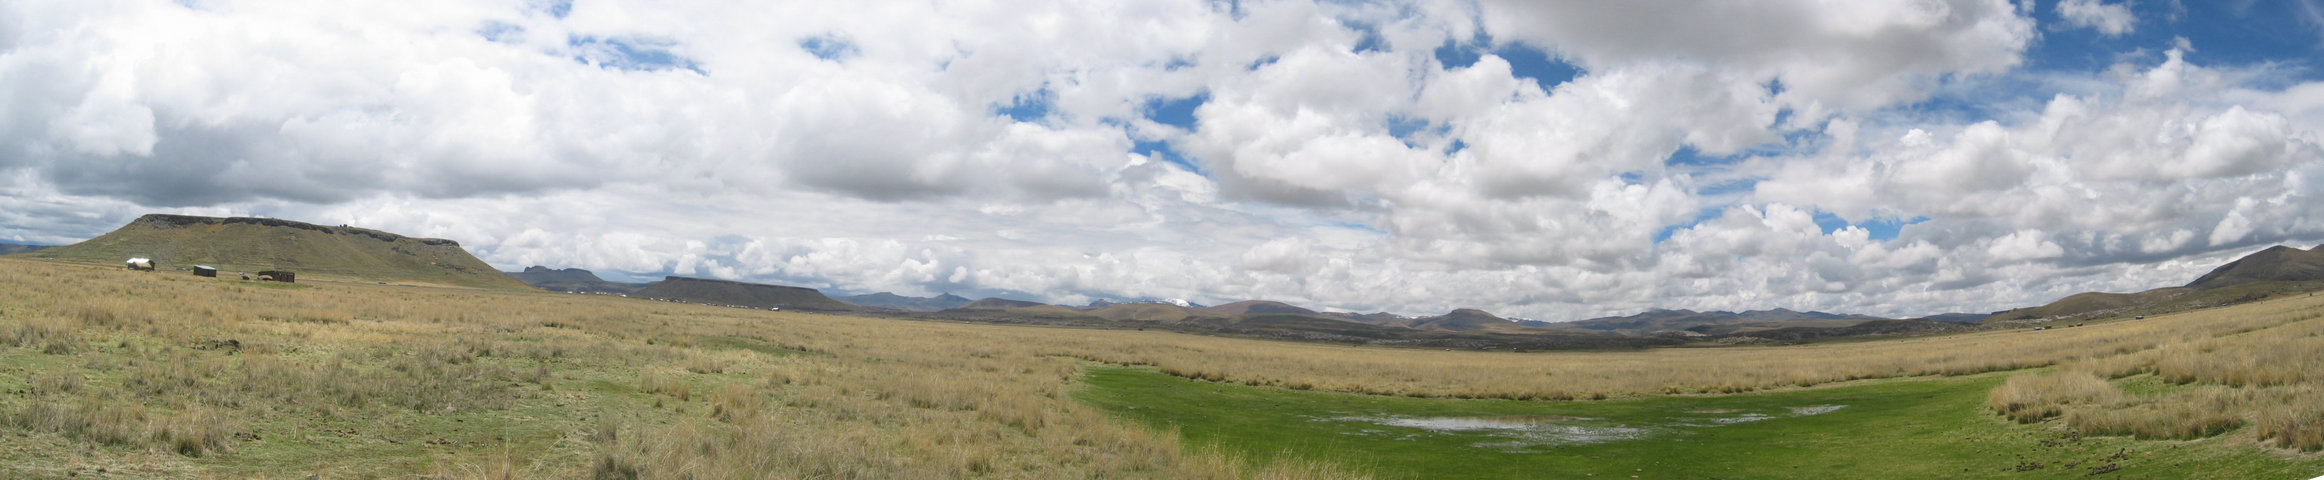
660	383
193	434
2299	427
2033	398
734	403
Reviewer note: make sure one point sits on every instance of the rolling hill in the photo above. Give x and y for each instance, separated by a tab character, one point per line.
893	301
2273	271
1145	312
1468	320
2278	264
744	294
244	244
1958	317
571	280
1378	318
1253	306
1654	321
1033	311
8	248
1465	328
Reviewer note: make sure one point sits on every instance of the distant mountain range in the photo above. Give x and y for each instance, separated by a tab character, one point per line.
688	289
1100	303
1464	328
571	280
1261	318
741	294
252	244
893	301
8	248
2269	272
1959	317
1718	323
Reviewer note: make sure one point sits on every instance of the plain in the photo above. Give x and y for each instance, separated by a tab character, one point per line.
111	373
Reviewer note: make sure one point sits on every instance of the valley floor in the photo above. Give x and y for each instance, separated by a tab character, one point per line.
1901	428
106	373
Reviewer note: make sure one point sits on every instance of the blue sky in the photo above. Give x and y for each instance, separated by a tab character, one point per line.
1545	159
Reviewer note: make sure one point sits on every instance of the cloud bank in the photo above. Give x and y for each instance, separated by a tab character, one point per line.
1555	160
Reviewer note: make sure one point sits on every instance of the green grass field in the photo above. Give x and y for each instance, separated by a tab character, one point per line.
1899	428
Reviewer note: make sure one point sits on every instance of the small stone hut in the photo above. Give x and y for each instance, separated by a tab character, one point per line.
284	276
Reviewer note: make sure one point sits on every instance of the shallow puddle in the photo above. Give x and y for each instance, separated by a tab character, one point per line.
1815	410
1455	424
1517	433
1748	417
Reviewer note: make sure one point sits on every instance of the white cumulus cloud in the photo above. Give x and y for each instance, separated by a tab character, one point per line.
2108	19
1402	155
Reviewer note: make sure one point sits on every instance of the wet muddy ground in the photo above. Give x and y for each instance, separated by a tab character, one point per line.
1519	433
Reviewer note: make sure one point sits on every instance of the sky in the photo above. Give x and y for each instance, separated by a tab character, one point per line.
1554	160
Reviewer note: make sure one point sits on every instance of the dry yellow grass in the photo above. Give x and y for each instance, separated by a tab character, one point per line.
2029	398
189	367
2260	364
182	365
2296	422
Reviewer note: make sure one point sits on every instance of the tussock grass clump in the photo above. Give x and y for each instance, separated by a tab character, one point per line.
2279	357
735	402
2183	416
2290	417
57	383
665	384
2033	398
705	364
113	422
2299	427
49	335
2257	365
193	433
41	416
2116	366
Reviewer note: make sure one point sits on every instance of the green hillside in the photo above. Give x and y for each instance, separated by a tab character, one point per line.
243	244
2278	263
2271	272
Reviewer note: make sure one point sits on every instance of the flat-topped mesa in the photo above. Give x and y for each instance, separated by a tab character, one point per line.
169	220
250	244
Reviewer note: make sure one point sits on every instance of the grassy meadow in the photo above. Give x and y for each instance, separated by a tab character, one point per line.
107	373
1896	428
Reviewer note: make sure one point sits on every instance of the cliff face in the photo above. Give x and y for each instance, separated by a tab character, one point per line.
252	244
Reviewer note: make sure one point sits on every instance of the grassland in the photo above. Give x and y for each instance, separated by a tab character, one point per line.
1893	428
110	373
